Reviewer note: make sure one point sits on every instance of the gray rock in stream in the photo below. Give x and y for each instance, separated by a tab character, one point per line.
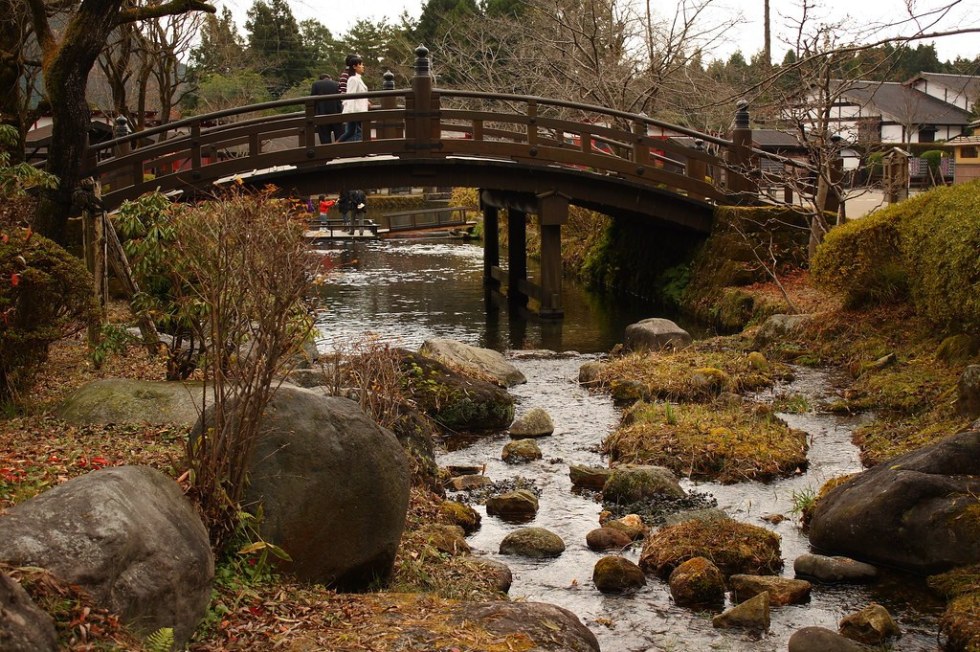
833	569
484	362
915	511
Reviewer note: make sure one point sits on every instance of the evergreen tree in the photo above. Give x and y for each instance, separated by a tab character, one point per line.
276	44
437	15
221	49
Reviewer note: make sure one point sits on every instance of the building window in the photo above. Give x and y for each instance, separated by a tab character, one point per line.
927	134
969	151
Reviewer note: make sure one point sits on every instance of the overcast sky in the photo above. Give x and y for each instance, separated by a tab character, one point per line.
339	15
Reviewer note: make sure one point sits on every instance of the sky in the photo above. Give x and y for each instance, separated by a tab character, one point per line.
338	16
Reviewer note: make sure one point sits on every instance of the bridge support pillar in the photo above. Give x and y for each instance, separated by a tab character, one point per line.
516	257
491	246
552	213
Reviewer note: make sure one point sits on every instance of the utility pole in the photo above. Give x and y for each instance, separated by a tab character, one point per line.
767	43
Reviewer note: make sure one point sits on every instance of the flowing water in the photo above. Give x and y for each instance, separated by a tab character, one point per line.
405	292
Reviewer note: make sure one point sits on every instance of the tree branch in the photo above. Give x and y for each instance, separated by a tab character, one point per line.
172	8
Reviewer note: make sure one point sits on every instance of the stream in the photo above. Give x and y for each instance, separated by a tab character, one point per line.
404	292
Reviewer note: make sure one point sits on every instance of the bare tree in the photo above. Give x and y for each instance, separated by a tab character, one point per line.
69	50
601	52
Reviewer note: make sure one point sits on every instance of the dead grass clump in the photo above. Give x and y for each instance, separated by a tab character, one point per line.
421	567
697	373
732	546
720	441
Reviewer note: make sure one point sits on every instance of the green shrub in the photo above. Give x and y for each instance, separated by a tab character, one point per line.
862	260
45	294
923	249
933	158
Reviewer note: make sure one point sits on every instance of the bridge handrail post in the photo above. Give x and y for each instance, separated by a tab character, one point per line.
532	123
740	181
696	168
118	179
422	122
641	151
389	128
308	135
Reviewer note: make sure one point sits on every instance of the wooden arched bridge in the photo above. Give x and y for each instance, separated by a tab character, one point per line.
526	154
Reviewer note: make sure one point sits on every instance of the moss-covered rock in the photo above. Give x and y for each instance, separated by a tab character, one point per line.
453	400
464	516
535	542
615	574
697	581
520	450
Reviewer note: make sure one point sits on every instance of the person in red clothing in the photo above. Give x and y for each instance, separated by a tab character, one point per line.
324	206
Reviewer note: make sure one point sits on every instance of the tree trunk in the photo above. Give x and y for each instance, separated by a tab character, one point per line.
66	72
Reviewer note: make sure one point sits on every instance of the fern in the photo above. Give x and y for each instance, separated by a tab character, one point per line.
161	640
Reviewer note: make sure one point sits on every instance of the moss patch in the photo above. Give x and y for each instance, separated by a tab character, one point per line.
732	546
961	621
722	441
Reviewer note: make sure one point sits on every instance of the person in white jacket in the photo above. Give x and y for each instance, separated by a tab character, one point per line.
354	85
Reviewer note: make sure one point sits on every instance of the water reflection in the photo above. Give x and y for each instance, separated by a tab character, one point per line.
407	291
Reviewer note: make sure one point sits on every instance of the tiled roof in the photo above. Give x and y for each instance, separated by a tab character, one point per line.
903	105
968	85
964	140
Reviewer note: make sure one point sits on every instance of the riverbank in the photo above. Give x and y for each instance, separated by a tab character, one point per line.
251	608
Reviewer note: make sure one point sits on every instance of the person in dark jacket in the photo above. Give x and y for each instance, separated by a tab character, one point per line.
326	86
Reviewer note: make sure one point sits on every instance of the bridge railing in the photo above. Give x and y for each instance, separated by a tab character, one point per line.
425	122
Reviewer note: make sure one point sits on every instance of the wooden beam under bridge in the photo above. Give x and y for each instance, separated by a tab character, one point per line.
552	210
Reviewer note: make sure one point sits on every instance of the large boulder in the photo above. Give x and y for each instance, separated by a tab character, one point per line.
333	487
23	627
916	511
968	392
655	334
454	400
128	537
121	400
549	627
483	362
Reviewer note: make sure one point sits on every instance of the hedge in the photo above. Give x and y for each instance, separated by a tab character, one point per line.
925	250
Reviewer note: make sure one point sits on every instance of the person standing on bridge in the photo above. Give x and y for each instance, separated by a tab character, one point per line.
326	86
342	81
355	85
